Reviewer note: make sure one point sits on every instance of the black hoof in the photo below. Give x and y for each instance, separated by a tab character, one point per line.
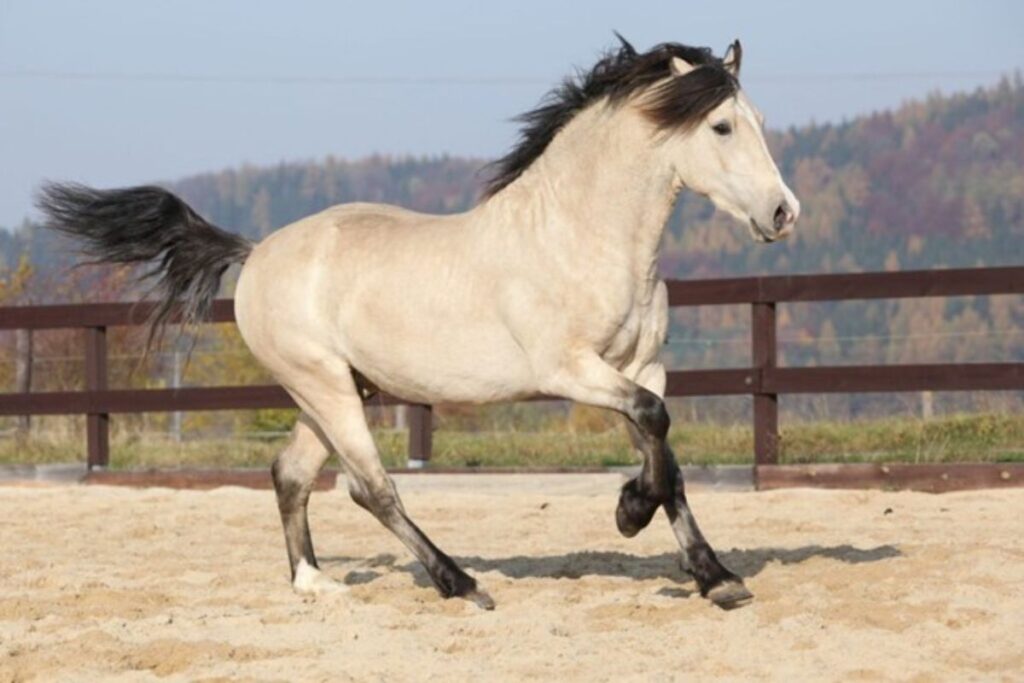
635	509
730	595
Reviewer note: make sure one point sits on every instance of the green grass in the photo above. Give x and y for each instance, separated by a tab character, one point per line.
968	438
954	438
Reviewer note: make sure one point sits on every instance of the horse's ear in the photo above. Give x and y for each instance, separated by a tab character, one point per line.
732	58
680	67
626	46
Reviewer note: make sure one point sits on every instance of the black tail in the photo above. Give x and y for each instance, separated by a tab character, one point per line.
148	225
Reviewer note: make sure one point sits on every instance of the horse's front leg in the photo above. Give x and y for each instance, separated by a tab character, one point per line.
636	504
660	482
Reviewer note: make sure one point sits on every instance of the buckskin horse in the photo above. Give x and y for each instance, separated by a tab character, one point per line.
548	286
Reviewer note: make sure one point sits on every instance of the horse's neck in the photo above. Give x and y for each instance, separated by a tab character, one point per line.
599	190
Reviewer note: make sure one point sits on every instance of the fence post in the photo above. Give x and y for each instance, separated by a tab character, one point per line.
766	406
23	375
421	434
97	425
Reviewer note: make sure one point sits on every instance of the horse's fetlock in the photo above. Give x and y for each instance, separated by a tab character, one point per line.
452	582
706	569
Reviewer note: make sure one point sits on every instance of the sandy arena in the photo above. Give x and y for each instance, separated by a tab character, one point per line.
101	583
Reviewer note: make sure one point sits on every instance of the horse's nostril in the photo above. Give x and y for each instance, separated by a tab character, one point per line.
781	217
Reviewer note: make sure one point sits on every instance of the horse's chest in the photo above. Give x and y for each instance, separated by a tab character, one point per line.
633	329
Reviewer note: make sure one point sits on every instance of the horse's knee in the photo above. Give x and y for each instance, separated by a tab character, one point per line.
649	414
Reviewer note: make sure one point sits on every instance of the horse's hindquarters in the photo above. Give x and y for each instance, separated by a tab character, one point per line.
409	307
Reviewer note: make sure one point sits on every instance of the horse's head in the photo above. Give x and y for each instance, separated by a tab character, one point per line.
721	151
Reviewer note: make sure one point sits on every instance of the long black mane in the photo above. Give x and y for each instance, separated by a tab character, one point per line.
676	103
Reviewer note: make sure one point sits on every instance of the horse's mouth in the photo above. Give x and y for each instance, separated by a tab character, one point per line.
760	234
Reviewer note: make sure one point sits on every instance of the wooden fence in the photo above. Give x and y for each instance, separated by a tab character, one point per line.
763	379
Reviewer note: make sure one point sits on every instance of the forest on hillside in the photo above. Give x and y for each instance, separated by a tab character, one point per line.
934	183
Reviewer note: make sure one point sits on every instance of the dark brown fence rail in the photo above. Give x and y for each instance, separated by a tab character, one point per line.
763	380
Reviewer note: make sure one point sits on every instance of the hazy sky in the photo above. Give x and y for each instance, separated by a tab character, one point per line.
114	92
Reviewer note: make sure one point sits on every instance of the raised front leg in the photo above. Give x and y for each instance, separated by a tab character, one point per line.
660	482
637	503
644	494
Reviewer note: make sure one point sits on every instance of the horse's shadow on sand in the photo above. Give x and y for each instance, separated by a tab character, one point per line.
746	563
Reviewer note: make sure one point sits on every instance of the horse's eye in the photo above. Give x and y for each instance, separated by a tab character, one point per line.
722	128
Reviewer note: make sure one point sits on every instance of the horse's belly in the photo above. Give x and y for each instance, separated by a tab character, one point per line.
468	365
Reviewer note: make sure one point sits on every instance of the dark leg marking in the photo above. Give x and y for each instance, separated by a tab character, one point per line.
292	502
641	497
636	508
650	415
660	484
448	578
723	587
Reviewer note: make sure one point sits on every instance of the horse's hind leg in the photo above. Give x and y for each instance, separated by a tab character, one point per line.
294	473
335	404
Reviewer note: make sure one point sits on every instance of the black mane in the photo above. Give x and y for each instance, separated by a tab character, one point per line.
676	103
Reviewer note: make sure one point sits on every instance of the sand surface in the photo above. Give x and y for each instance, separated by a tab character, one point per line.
102	583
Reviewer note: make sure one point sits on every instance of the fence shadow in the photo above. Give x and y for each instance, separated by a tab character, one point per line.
745	562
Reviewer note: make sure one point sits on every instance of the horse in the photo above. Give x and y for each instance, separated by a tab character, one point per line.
547	286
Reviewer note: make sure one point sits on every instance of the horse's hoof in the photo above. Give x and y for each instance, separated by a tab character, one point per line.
635	510
624	524
480	598
730	595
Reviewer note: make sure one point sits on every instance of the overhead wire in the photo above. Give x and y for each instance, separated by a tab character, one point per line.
272	79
